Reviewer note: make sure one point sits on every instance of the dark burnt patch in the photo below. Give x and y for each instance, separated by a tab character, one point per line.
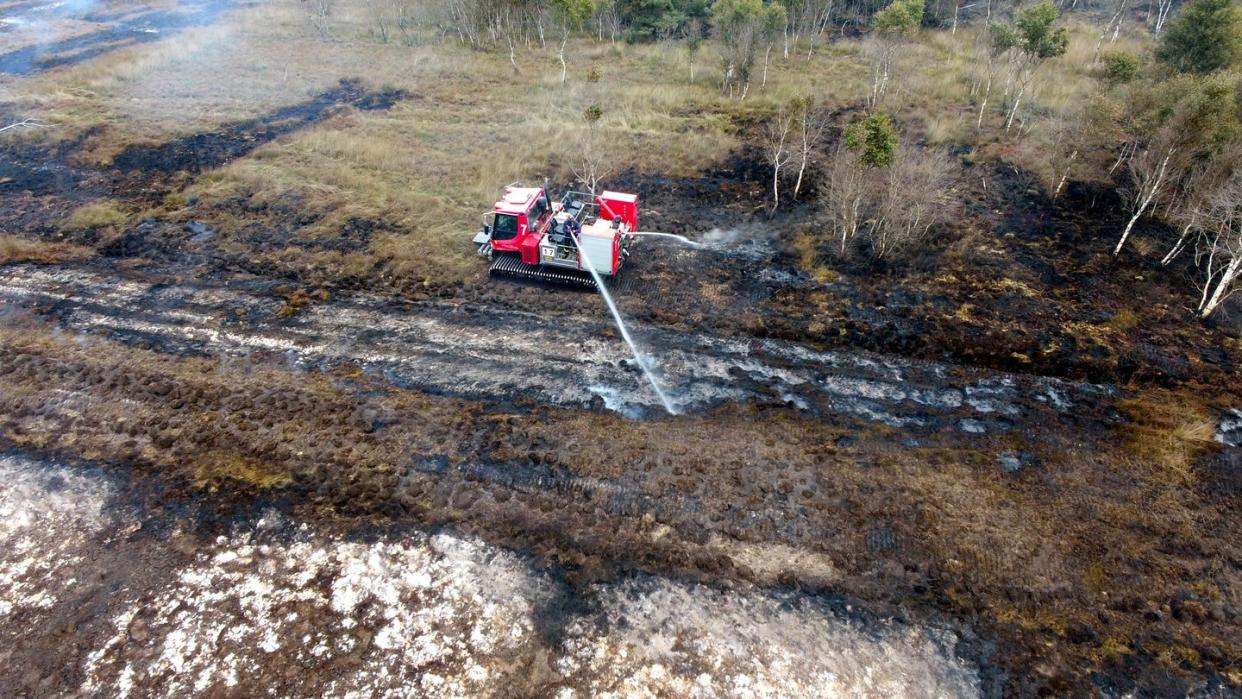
204	151
119	31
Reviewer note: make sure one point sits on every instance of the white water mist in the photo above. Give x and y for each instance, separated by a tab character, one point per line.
674	236
639	357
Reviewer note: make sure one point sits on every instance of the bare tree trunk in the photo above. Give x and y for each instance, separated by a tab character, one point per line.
1065	175
1117	17
1146	196
1180	244
776	145
1126	151
561	56
25	124
1223	285
1013	111
1162	14
987	92
766	56
776	186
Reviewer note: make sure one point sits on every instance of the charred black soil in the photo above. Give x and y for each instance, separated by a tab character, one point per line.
1010	434
43	184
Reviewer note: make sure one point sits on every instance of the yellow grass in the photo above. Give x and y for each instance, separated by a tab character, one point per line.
14	249
96	214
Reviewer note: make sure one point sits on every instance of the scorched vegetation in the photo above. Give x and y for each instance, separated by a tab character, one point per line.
955	342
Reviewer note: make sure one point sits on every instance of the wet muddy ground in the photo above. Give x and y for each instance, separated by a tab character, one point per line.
792	469
229	469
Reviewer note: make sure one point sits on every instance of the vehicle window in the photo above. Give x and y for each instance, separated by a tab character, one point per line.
505	227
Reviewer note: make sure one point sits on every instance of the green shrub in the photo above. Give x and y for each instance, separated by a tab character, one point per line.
874	140
1120	66
1205	37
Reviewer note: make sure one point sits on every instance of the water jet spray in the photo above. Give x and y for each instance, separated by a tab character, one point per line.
639	357
674	236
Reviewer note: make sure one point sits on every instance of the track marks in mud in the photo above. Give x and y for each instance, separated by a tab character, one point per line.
502	356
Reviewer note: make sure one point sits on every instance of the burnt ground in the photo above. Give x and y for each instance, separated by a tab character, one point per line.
44	183
1011	436
114	31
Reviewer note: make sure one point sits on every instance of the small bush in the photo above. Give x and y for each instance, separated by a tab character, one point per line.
1120	67
874	140
594	74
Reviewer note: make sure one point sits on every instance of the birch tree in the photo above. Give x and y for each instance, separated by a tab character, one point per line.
894	25
1219	252
319	13
773	22
1190	122
592	156
777	140
810	126
915	199
1149	174
1035	42
694	42
740	27
844	195
571	14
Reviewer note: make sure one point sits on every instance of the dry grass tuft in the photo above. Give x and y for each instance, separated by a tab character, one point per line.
1167	434
96	215
14	249
216	470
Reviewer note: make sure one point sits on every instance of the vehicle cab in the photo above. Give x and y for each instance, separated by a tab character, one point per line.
519	220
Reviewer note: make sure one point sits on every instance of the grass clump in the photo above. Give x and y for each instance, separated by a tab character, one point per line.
216	470
14	249
96	215
1168	433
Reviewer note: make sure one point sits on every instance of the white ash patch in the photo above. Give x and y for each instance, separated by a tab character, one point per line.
444	616
1229	432
436	615
48	519
666	639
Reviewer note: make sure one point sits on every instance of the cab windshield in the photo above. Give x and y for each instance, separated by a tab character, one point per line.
505	227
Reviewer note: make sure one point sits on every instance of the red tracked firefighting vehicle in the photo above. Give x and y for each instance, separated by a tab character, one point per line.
526	235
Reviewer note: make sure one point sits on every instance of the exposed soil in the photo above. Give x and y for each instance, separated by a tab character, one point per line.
1010	460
